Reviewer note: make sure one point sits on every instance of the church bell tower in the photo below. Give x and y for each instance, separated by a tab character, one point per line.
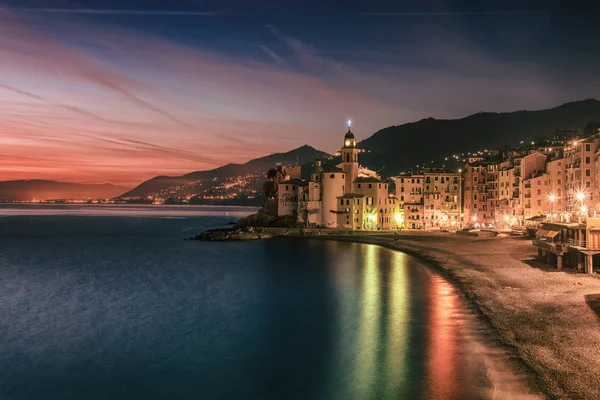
350	159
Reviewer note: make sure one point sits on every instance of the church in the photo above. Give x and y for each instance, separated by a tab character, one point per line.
342	196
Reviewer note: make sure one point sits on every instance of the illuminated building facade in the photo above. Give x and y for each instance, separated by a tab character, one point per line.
343	196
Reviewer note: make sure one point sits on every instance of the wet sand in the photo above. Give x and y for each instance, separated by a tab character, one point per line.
546	318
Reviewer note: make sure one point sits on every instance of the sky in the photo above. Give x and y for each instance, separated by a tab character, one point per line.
123	90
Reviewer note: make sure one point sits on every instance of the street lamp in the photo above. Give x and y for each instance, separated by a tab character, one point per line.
580	196
552	199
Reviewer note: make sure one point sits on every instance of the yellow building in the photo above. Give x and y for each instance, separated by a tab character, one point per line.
341	196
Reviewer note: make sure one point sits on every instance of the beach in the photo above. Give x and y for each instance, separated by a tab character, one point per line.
545	317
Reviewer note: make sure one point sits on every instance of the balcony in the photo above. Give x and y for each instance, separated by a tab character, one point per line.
527	185
527	195
554	247
577	243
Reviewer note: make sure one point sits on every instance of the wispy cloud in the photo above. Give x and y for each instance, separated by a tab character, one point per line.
95	104
278	59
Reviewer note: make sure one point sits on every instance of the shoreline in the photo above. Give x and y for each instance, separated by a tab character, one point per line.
543	317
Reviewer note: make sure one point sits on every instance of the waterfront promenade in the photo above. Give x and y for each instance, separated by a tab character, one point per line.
548	318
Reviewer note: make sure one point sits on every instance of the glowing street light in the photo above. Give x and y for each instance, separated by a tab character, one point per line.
552	198
580	196
583	209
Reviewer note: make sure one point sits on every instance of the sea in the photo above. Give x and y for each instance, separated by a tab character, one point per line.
111	302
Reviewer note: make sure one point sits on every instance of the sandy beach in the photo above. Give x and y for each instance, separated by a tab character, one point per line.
544	316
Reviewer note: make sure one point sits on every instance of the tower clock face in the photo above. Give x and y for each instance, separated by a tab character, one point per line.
347	143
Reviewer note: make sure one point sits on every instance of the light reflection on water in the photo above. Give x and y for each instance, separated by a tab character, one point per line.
123	308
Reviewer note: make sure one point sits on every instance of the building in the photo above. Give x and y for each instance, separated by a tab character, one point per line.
430	199
441	198
342	196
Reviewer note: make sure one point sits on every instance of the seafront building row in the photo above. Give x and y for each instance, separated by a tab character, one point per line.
550	188
509	188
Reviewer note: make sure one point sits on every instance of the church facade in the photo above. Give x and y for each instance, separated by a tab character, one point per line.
342	196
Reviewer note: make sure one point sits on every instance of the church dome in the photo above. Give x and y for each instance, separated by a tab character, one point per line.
349	135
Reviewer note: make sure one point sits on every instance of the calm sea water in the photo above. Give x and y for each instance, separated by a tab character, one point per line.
111	303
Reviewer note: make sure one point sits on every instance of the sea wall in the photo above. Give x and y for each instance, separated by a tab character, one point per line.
250	233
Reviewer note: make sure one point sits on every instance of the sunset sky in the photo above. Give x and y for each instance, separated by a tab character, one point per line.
122	90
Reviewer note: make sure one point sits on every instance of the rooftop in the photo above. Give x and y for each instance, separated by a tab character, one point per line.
299	182
350	196
367	180
334	169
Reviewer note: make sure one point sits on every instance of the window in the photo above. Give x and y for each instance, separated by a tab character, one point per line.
587	160
359	185
332	176
380	186
347	202
539	192
539	202
587	172
370	186
341	202
401	180
587	147
587	184
401	198
402	189
293	187
474	197
287	187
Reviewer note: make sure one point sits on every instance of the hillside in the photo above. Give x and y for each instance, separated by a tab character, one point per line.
26	190
229	184
401	147
388	151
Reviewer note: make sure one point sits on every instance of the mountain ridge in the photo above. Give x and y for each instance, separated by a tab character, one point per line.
194	183
401	147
